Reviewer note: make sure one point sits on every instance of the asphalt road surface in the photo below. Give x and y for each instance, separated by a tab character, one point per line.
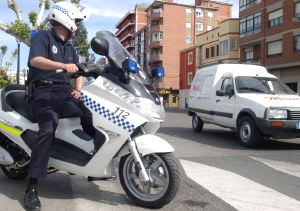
217	174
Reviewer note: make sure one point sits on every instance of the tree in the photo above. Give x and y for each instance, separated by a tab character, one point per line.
4	78
81	43
21	30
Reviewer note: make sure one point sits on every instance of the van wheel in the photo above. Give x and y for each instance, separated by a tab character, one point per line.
197	124
248	133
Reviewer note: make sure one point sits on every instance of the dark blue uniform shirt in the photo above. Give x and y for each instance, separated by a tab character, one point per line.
48	44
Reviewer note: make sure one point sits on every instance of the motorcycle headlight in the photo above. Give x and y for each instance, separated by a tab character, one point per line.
277	113
146	106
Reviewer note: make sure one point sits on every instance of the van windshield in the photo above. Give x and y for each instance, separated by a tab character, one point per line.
248	84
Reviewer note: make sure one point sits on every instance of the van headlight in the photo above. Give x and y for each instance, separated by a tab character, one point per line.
275	113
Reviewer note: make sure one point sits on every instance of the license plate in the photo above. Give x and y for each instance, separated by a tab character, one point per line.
298	125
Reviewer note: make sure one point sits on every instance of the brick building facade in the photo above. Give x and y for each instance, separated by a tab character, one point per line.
270	36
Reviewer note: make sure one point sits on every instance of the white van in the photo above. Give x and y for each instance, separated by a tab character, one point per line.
247	99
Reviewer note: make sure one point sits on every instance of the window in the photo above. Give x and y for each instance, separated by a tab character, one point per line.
157	36
174	99
248	3
224	48
188	11
275	48
209	27
250	24
297	43
297	10
249	53
188	39
293	86
199	12
207	53
190	58
217	50
188	25
212	51
210	14
189	78
199	27
275	18
227	84
233	44
243	26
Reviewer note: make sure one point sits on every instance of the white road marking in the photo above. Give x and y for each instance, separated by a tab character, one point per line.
285	167
240	192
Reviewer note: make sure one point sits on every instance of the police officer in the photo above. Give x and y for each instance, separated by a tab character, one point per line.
49	52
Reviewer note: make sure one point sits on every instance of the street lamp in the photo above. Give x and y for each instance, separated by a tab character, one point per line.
18	61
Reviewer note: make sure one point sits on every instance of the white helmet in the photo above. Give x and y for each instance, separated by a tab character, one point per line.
67	14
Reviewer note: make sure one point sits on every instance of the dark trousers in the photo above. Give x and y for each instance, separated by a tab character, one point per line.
46	108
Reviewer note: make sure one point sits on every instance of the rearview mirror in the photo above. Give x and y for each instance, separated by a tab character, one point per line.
220	93
100	46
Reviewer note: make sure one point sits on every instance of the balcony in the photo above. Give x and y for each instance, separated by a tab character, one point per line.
156	44
157	28
157	15
124	28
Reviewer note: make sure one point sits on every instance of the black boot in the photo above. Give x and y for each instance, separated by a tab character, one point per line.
31	200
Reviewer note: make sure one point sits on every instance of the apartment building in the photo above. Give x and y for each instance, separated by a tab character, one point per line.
219	45
139	38
270	36
171	28
133	21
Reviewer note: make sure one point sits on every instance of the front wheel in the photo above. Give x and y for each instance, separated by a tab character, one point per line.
248	133
164	179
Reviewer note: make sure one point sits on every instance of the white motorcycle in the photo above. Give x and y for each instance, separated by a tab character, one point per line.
126	112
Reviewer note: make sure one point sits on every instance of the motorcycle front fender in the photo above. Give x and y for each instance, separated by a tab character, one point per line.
147	144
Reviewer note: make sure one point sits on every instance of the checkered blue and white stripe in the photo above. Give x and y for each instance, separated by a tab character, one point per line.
109	115
61	9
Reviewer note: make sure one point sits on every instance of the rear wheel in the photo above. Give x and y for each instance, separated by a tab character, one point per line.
197	124
19	169
164	179
248	133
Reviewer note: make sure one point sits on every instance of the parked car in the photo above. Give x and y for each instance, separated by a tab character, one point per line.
247	99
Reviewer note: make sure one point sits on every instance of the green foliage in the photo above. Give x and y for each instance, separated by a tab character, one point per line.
32	18
4	79
47	5
20	29
80	42
75	1
3	49
12	5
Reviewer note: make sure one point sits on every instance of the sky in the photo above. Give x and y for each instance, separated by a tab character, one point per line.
104	16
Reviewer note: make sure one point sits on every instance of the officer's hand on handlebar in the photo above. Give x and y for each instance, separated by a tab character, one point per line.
70	68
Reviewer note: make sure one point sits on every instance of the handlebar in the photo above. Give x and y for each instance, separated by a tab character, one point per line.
86	69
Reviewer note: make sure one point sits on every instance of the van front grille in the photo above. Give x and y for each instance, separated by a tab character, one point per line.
294	115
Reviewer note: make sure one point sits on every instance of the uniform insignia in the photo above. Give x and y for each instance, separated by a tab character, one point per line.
54	49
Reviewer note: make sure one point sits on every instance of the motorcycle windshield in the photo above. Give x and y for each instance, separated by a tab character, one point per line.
140	84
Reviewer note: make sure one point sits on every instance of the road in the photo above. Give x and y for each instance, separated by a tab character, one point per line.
218	174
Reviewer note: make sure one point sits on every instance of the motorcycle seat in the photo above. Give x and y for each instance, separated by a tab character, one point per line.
14	98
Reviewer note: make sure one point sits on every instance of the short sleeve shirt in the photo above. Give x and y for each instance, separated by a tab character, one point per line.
48	44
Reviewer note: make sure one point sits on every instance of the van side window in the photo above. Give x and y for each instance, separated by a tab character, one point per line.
227	84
